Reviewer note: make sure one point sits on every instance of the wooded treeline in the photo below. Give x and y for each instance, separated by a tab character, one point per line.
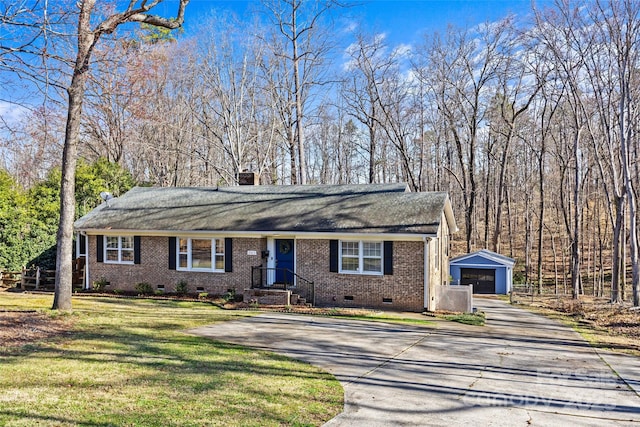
530	123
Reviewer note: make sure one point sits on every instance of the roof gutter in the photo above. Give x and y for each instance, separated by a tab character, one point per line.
259	234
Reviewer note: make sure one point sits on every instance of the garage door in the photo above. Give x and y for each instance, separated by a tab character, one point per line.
482	279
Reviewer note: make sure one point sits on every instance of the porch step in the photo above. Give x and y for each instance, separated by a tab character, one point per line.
297	300
273	296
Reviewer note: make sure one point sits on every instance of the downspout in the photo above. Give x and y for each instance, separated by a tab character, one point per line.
427	274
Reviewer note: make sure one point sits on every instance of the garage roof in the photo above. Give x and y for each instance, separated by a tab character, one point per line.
486	254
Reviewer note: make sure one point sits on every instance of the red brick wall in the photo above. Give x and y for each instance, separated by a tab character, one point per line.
405	287
154	268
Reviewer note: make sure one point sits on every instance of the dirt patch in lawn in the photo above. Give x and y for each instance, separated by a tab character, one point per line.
615	326
18	328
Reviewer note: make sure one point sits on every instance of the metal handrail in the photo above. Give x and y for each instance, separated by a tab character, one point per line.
287	284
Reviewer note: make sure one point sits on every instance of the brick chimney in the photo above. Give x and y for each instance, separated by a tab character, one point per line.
248	178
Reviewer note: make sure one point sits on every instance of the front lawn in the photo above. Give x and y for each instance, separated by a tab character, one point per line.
127	362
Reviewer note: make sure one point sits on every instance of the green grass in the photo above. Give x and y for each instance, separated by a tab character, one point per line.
128	363
476	319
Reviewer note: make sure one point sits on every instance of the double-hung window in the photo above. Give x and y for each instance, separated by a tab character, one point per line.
361	257
200	254
118	249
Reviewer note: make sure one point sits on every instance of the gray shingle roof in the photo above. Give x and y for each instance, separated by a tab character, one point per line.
374	208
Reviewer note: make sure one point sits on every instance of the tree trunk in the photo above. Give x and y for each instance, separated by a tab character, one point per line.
292	158
541	207
487	199
615	264
302	172
577	221
64	250
625	143
501	191
372	153
633	237
87	39
623	260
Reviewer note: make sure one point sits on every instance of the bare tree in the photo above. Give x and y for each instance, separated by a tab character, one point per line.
228	107
620	25
110	103
567	40
600	71
467	67
518	86
89	33
370	65
26	29
304	50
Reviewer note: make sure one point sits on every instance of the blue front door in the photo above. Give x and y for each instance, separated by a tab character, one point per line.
284	261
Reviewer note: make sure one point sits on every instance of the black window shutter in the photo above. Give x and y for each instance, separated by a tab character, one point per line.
333	256
228	255
136	249
388	258
172	253
99	248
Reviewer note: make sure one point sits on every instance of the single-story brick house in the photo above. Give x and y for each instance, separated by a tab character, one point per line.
375	246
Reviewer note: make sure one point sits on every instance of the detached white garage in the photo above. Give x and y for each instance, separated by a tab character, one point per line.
487	271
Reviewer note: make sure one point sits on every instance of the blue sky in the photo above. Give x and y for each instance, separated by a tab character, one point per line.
404	21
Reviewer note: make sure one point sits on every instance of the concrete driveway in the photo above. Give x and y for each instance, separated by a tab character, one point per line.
521	369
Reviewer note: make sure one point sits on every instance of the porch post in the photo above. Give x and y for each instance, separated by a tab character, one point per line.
271	261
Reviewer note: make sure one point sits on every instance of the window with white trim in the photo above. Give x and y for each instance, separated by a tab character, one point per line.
360	257
200	254
118	249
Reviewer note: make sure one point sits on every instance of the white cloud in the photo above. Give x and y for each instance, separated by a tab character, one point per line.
12	113
403	50
350	27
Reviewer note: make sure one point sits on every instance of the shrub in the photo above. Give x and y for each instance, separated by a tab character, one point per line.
100	284
229	296
519	277
181	288
144	288
203	295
